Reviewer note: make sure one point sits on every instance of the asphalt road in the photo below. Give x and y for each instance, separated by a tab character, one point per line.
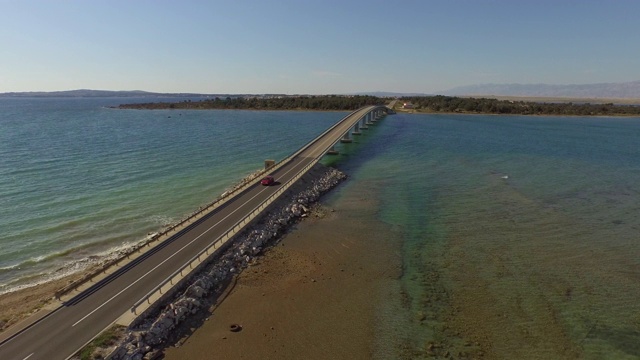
68	328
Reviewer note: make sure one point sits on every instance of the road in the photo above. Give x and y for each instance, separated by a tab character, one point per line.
68	328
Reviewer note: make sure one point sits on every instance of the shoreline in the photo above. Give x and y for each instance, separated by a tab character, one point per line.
159	325
23	300
438	104
117	107
314	294
307	268
419	112
18	305
27	303
401	111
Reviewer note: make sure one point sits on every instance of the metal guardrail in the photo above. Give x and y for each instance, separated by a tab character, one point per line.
207	208
227	196
222	239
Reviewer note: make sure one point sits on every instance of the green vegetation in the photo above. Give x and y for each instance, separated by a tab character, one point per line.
104	340
329	102
428	104
447	104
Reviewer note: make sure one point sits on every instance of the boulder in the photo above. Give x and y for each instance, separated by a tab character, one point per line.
195	291
138	345
181	314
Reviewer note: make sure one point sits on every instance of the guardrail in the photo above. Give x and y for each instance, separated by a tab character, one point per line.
205	209
221	240
229	195
225	197
177	275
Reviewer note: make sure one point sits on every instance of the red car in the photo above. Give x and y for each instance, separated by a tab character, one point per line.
267	180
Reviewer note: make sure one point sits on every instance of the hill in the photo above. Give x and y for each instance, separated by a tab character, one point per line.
99	93
627	90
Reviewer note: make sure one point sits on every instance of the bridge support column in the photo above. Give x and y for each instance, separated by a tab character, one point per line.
356	129
333	151
346	138
364	123
369	116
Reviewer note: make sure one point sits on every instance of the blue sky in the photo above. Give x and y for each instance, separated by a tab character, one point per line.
314	46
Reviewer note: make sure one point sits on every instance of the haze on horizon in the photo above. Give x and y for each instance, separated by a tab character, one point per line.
313	47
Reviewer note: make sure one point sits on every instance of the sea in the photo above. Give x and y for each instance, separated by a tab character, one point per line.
520	235
81	181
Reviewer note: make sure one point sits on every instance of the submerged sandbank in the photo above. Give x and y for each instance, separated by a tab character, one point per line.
316	295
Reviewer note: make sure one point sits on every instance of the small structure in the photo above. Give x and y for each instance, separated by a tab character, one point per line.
407	105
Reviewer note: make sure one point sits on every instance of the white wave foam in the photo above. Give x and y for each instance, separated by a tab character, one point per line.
162	220
70	268
10	267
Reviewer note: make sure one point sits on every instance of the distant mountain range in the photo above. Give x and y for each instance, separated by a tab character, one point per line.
109	93
98	93
139	93
627	90
604	90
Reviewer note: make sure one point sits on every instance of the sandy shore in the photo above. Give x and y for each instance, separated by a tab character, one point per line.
315	294
18	305
312	296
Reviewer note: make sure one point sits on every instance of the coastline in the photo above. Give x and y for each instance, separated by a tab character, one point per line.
315	294
427	112
438	104
18	305
324	261
317	256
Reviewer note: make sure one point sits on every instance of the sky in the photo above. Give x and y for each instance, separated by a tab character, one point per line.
314	46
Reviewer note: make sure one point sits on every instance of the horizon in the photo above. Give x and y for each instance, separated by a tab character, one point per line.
196	93
377	93
309	94
328	47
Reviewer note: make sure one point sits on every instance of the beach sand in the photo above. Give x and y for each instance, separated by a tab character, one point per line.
312	296
18	305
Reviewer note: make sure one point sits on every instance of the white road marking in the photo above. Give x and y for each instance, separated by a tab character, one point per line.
310	154
165	260
172	255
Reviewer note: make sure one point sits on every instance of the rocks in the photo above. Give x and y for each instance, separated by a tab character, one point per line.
242	252
153	355
196	291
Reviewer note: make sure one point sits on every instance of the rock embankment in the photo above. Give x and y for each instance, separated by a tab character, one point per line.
144	341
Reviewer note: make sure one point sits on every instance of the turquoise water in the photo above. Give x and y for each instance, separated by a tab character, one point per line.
78	179
520	234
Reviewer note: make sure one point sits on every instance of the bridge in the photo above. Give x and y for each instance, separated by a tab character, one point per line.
118	293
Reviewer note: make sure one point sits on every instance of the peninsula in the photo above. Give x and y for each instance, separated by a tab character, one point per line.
421	104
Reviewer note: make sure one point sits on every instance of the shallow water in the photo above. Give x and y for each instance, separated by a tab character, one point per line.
79	179
520	233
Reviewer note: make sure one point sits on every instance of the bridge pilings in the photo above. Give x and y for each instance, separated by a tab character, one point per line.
369	117
356	129
362	124
346	138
